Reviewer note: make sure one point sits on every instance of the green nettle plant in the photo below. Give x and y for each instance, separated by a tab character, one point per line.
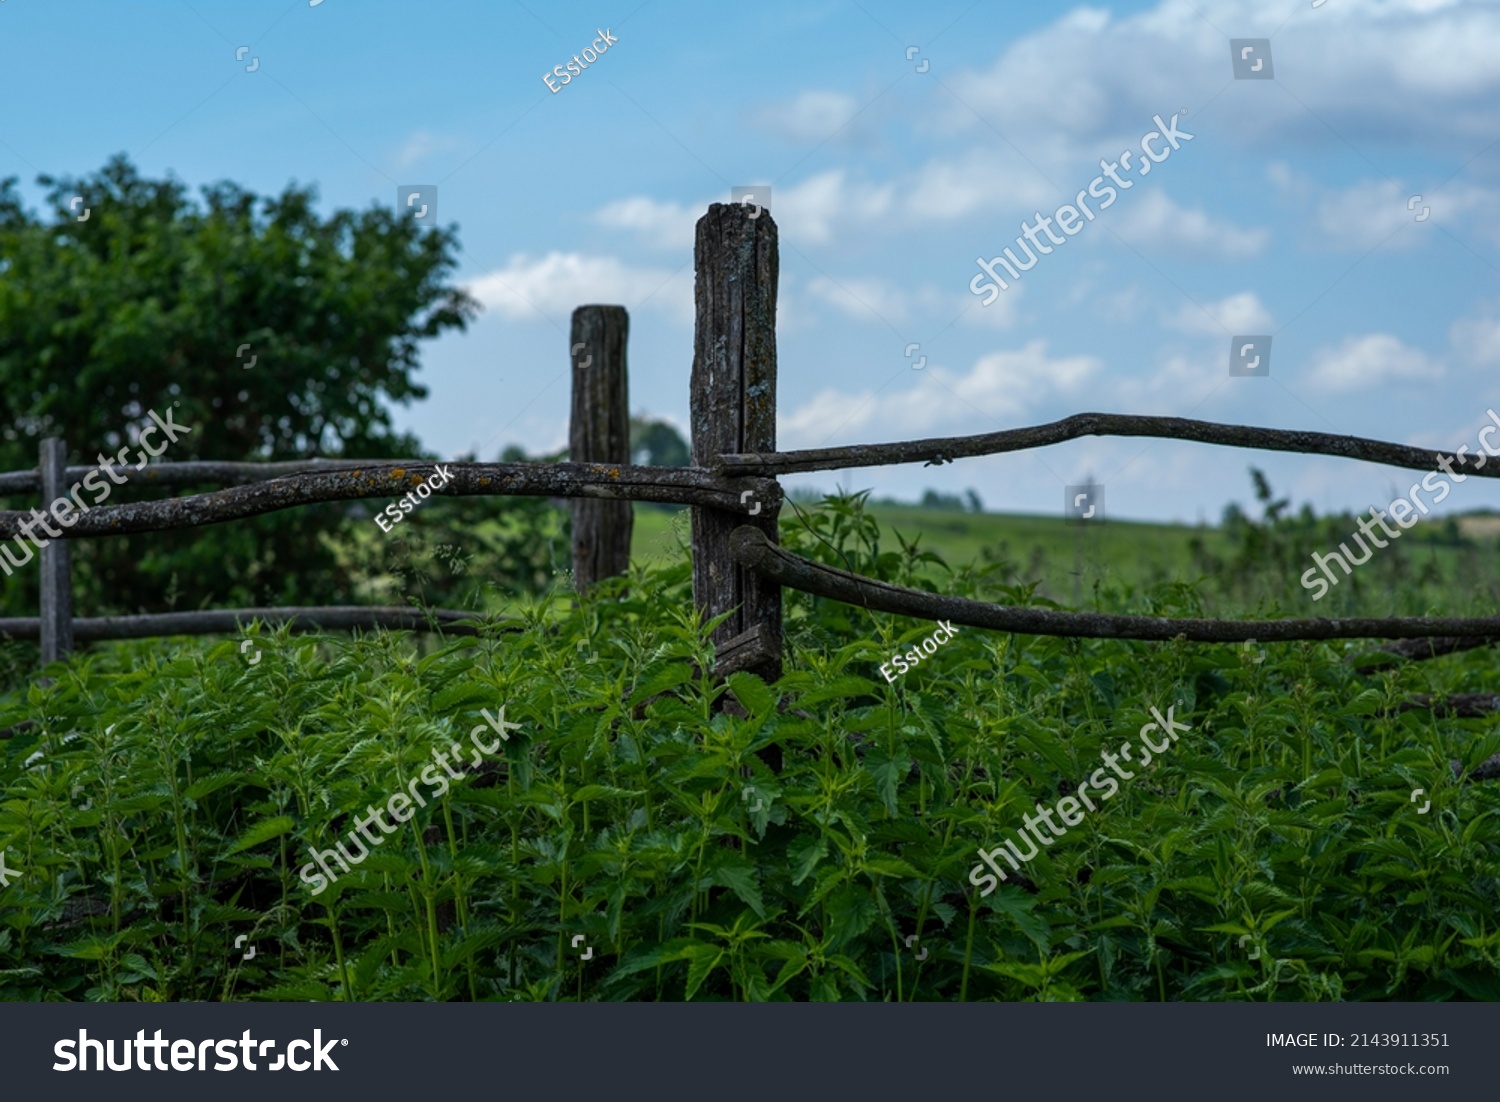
629	842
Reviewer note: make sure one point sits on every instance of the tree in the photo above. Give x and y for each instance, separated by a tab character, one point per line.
273	333
655	443
949	502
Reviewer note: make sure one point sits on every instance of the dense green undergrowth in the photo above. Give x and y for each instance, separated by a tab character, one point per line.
630	840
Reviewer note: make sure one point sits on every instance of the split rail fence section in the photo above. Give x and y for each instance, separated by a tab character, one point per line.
738	565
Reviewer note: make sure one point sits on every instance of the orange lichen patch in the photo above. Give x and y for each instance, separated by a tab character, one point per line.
614	472
398	472
484	481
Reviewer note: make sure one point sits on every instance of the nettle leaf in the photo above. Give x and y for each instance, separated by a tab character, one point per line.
92	948
466	696
851	912
702	960
1104	685
1481	750
806	854
757	697
203	786
1032	975
888	866
263	831
846	687
678	673
740	877
888	774
1018	906
604	791
679	948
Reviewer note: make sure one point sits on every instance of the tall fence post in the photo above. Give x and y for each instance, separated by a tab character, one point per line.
733	410
57	559
599	432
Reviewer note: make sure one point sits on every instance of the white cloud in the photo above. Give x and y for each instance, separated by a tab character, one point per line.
666	225
1241	314
812	210
871	300
1363	363
1003	313
1382	212
1477	340
424	144
1161	226
942	402
812	116
830	414
862	299
951	188
1417	70
528	288
1164	389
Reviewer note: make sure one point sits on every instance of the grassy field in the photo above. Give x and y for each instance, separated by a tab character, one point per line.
962	538
1427	571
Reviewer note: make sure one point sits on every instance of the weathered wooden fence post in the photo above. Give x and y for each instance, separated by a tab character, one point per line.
599	432
733	410
57	559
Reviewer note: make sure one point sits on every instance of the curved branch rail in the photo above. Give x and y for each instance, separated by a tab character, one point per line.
945	449
228	621
679	485
750	547
195	471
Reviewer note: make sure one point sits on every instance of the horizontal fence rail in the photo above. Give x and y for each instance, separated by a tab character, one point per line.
229	621
194	472
945	449
676	485
750	547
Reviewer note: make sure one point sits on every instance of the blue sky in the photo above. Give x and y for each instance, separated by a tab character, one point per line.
1286	214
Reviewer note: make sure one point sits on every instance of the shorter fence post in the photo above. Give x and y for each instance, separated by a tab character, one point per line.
599	432
57	558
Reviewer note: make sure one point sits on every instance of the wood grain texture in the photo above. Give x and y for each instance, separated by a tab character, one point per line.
228	621
599	432
56	579
733	409
682	485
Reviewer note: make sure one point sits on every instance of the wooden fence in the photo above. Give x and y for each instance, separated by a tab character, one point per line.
738	566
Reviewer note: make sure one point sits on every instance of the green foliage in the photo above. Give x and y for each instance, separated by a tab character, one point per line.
970	502
167	796
1409	577
460	552
146	305
655	443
